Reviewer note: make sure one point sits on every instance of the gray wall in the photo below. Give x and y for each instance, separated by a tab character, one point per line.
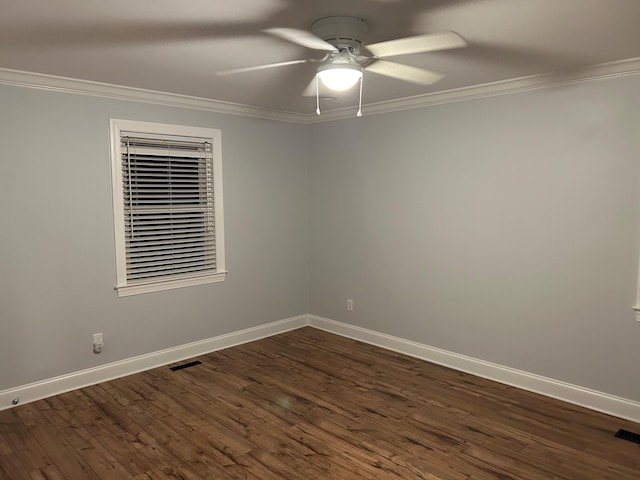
57	267
504	228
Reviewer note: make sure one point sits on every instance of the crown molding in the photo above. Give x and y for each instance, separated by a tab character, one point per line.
119	92
620	68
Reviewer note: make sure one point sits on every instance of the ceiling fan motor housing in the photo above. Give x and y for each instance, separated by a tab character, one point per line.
342	32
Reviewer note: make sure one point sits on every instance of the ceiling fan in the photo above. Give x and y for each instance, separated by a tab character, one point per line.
347	56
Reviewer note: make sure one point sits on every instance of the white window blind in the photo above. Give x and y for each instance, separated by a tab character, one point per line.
169	221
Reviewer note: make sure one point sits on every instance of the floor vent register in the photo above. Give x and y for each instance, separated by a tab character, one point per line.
185	365
627	435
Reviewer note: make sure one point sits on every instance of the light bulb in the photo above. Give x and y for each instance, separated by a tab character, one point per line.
339	76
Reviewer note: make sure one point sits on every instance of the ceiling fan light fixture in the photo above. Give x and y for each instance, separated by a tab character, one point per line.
340	76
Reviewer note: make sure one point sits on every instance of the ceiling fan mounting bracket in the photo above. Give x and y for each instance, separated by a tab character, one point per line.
341	32
344	55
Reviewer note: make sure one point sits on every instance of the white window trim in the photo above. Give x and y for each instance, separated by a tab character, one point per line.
116	127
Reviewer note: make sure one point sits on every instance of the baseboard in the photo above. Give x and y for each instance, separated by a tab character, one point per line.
103	373
599	401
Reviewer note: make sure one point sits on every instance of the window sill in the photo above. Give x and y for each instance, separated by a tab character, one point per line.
127	290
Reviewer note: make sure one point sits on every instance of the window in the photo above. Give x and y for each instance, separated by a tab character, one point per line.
167	203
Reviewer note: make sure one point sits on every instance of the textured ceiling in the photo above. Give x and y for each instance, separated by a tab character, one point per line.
177	46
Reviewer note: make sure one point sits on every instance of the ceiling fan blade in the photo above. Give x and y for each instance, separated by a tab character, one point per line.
261	67
419	44
404	72
301	37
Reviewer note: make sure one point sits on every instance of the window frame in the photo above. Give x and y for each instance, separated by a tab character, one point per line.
116	127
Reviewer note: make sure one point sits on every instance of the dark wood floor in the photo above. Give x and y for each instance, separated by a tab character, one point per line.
310	405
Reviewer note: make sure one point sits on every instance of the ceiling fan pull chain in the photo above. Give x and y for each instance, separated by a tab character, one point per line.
359	114
317	96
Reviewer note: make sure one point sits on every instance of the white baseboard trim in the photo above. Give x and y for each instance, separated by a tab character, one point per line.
599	401
103	373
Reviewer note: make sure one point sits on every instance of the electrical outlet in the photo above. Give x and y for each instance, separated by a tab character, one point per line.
98	343
350	304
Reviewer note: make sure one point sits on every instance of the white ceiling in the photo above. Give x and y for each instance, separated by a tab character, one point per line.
178	45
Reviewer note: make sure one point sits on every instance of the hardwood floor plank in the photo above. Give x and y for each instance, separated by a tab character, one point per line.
105	430
151	475
22	442
12	468
178	434
68	461
164	459
5	447
50	472
91	451
161	438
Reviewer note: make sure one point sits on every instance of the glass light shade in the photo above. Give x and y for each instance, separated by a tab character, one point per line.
340	77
